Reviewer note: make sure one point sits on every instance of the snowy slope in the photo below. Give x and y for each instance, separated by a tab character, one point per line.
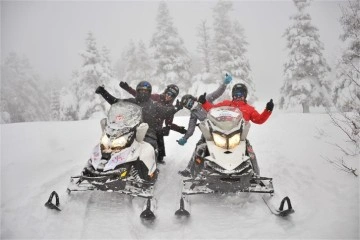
37	158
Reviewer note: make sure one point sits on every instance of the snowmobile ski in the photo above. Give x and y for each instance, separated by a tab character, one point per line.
279	211
182	211
50	204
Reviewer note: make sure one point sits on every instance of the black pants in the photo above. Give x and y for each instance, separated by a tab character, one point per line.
161	145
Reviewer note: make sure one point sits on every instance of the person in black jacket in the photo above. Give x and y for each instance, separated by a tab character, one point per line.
151	111
167	98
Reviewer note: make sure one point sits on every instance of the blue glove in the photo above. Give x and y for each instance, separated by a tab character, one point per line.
227	79
182	141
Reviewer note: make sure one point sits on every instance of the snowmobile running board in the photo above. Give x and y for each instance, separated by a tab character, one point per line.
258	186
82	184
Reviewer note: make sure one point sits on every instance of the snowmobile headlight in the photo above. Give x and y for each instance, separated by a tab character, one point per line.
234	140
119	142
219	140
105	140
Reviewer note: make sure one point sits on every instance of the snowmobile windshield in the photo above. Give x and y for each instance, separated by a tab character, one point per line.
225	118
123	117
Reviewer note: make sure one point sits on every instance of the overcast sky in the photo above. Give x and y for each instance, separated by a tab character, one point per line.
52	33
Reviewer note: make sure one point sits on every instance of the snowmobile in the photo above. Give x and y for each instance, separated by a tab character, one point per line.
222	162
122	162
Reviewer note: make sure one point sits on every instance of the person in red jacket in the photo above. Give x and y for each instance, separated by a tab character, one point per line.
239	94
167	98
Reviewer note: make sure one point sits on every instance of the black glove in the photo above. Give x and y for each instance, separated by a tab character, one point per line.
182	130
165	131
178	105
124	85
270	105
202	98
99	89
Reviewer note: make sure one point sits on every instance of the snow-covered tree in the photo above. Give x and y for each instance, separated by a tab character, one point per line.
305	70
23	99
222	41
138	64
172	59
229	49
108	78
55	105
80	95
347	85
204	45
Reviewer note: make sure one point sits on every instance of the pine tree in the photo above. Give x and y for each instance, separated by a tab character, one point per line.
222	41
347	86
145	65
204	48
229	49
55	105
23	99
172	60
138	65
79	100
305	71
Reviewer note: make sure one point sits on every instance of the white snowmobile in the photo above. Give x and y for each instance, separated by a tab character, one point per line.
222	163
122	162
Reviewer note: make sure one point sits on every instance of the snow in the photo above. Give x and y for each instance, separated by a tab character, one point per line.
39	157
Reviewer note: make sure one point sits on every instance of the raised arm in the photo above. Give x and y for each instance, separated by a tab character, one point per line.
106	95
211	97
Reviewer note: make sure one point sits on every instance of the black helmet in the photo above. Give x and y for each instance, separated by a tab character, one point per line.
239	90
188	101
144	85
142	95
172	90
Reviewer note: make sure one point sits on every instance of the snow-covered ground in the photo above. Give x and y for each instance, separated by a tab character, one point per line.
37	158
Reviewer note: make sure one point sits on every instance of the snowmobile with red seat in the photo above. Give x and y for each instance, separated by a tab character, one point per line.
122	162
222	162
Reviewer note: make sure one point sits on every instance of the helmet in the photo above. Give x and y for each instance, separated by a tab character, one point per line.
239	90
143	91
144	85
188	101
172	90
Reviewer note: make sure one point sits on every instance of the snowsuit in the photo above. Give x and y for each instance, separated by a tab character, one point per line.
151	111
249	114
169	125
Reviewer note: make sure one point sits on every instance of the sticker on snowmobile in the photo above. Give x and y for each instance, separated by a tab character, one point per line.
117	159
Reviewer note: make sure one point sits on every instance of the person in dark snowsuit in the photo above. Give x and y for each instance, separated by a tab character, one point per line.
239	94
150	110
167	98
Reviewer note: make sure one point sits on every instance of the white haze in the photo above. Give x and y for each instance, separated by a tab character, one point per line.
51	33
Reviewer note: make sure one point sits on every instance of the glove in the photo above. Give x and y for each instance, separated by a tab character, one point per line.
165	131
178	105
202	98
124	85
182	141
227	79
99	89
270	105
182	130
